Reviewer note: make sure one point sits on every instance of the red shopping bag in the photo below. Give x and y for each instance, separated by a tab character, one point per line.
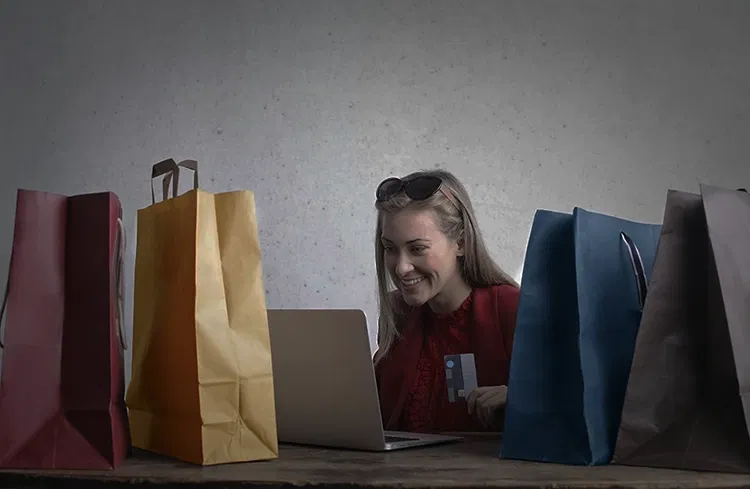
62	385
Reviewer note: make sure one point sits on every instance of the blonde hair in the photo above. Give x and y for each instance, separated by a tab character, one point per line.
455	217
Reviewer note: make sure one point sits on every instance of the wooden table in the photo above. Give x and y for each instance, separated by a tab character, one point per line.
473	463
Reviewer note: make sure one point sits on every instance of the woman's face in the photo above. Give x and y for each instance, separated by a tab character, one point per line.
421	260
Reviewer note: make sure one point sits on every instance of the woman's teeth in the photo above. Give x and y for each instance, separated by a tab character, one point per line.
413	281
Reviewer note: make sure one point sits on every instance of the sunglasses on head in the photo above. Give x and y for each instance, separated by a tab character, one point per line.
417	188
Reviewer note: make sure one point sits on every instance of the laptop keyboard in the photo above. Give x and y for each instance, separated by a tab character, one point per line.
396	439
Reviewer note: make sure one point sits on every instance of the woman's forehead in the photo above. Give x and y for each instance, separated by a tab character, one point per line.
409	225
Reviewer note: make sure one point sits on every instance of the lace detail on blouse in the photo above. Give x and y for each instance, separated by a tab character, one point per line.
427	408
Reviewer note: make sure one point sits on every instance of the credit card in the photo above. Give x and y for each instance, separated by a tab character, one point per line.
460	376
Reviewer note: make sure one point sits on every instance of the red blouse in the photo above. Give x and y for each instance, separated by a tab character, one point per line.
427	408
411	376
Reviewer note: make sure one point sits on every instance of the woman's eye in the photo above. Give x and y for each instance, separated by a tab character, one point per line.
418	249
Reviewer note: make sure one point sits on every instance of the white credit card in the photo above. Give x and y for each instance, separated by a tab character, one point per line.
460	376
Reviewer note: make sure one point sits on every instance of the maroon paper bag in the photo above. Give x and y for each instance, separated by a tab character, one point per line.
686	405
62	386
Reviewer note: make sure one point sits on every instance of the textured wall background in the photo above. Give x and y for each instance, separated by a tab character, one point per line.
603	105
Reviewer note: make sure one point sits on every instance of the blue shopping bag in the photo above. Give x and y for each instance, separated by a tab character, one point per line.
582	293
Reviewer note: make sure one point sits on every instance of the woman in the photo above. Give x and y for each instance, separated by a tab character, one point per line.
450	298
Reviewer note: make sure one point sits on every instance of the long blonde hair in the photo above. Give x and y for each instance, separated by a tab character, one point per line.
456	221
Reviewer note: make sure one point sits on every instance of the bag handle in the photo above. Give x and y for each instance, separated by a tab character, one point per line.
167	168
190	165
118	265
2	308
638	270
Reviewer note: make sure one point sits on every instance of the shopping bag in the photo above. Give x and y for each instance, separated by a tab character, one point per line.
62	389
686	405
202	387
585	277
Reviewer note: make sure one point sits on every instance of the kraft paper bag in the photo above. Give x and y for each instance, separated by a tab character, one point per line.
686	405
62	389
202	386
584	282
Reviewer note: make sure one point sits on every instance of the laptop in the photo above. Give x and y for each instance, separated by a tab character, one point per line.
324	383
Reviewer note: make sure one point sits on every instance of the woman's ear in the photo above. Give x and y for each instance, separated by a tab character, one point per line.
461	244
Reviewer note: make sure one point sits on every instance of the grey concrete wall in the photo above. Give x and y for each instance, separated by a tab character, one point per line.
603	105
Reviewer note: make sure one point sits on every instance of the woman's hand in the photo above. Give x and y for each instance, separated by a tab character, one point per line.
485	402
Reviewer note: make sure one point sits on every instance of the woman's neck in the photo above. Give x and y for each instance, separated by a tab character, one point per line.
451	297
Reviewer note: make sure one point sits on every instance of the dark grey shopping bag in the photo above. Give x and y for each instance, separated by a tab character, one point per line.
687	403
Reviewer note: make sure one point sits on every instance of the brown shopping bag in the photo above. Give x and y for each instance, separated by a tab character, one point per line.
686	405
202	386
62	390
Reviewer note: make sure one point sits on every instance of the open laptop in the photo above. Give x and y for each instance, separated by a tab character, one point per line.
324	382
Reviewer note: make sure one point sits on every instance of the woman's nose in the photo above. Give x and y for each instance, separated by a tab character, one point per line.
403	266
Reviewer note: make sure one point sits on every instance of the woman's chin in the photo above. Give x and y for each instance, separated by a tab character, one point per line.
414	298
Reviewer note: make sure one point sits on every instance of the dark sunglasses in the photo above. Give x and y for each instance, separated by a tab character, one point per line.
417	188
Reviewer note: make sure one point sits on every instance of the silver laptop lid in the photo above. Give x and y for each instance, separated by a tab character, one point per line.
324	380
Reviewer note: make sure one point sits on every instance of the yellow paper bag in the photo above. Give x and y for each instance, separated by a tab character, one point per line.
202	385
